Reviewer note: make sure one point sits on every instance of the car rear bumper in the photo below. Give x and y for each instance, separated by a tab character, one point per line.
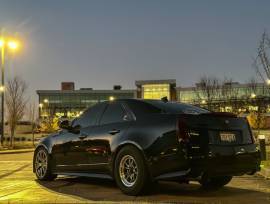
226	165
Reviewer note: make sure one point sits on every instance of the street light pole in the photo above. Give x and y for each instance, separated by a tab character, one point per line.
2	93
11	45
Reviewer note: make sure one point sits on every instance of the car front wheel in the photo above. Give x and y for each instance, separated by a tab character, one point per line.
130	172
42	165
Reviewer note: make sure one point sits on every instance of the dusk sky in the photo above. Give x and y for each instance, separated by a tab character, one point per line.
101	43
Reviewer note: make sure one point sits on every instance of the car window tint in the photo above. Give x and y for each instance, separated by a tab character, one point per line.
90	116
141	107
114	113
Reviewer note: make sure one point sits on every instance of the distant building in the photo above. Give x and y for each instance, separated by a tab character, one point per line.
70	103
67	86
156	89
231	97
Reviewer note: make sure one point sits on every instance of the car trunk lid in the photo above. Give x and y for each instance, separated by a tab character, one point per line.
222	133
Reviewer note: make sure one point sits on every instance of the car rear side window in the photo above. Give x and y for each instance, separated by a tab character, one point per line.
114	113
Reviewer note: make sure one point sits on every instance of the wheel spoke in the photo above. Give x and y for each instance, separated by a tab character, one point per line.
128	170
41	163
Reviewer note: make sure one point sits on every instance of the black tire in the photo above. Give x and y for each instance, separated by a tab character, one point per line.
142	181
215	182
47	174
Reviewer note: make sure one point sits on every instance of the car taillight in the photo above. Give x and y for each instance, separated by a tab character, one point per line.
182	131
251	138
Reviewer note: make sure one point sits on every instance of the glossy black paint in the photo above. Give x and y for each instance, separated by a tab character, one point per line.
92	149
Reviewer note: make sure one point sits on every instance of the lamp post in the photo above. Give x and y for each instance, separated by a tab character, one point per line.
5	43
47	110
40	110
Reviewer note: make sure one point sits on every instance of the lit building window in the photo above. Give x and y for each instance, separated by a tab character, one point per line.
155	91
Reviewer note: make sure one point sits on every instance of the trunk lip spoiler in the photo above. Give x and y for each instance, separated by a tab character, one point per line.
217	114
220	114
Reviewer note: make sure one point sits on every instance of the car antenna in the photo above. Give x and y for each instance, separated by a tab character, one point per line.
164	99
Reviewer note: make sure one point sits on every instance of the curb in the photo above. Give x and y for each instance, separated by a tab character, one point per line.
265	172
16	151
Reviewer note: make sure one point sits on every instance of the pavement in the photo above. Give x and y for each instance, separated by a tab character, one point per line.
15	151
265	172
18	184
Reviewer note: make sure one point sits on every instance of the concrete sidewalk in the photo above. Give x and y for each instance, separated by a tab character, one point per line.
265	172
15	151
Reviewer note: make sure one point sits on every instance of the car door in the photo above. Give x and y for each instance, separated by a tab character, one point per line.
112	125
72	145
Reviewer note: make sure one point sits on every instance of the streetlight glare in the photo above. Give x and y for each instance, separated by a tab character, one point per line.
46	100
2	42
111	98
13	45
2	88
253	95
268	81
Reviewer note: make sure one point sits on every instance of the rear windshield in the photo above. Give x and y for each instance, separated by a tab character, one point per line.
174	107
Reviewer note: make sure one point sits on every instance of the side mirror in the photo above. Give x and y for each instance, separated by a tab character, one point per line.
65	125
126	118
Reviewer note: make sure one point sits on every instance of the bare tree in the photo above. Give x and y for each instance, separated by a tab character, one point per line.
262	61
229	93
258	101
16	102
256	88
32	111
229	89
207	90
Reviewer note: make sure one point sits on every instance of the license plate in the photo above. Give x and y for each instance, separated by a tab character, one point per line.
227	137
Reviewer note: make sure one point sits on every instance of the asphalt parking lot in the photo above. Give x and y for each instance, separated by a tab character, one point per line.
19	185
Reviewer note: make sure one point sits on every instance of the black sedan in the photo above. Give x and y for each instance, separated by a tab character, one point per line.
136	142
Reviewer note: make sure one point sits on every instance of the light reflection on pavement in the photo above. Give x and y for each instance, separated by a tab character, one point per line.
19	185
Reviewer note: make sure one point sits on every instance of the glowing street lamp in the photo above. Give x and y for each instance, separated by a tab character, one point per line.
13	45
6	43
253	95
46	102
10	44
1	43
268	81
40	108
111	98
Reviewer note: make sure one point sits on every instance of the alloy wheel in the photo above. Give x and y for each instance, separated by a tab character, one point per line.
128	170
41	163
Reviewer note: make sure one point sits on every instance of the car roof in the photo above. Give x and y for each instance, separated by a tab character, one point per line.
134	99
145	100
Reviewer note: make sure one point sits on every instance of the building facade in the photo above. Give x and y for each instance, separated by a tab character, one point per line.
231	97
156	89
71	103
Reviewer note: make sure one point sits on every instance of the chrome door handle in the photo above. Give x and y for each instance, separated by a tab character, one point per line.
114	131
